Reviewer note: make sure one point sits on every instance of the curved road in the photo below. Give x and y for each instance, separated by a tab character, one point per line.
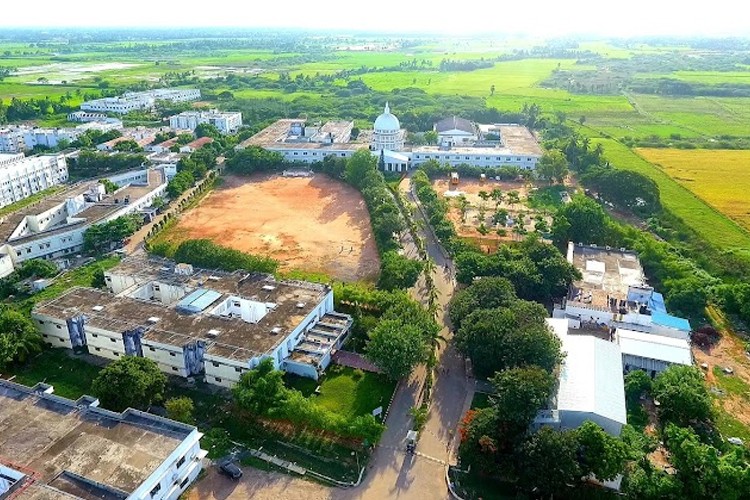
391	472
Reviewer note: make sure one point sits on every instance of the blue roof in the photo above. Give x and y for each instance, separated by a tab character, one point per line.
656	303
198	300
664	319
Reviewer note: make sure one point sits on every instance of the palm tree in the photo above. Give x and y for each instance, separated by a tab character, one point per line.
497	196
463	206
513	198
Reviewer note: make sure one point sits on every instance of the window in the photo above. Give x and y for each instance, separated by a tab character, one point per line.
184	482
61	340
97	349
112	340
45	336
156	490
216	365
180	462
238	370
217	379
59	327
117	354
40	321
174	368
172	354
95	335
152	349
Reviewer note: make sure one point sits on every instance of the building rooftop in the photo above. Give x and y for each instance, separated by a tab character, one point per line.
289	303
92	213
607	274
279	135
455	123
199	143
72	447
651	346
590	379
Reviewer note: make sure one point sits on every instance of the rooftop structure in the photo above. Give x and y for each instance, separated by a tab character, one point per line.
196	144
199	322
652	353
225	122
56	448
54	227
132	101
454	123
590	384
613	293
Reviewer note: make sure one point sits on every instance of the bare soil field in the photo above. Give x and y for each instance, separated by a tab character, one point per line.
313	224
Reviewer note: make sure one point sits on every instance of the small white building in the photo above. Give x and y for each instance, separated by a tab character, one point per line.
652	353
455	131
590	384
225	122
53	448
134	101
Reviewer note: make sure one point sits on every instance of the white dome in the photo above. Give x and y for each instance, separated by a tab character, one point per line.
387	122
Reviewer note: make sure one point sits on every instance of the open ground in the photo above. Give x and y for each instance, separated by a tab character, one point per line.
313	224
718	177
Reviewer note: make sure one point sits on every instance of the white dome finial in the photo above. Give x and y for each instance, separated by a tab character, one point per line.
387	108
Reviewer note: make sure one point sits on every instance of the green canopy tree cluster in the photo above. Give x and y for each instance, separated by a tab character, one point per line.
130	382
101	237
19	338
208	255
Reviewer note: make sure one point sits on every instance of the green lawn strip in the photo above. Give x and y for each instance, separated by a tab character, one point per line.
71	377
709	224
731	427
731	384
30	200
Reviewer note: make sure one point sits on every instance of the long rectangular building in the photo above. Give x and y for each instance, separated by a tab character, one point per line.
195	322
225	122
53	448
21	176
134	101
54	227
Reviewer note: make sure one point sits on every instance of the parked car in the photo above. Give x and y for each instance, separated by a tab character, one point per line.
229	469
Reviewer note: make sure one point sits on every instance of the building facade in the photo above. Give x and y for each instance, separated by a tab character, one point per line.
134	101
195	322
225	122
53	448
21	177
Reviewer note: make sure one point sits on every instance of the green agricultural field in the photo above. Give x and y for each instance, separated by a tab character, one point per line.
709	223
718	177
708	77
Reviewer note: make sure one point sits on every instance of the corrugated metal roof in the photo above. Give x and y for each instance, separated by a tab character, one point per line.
651	346
591	375
656	303
664	319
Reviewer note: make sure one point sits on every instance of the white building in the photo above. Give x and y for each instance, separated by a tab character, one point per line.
17	139
590	384
652	353
195	322
54	227
613	294
21	177
515	146
225	122
134	101
83	117
56	448
455	131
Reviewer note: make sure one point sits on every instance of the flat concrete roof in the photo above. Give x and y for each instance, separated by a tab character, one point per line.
237	339
45	435
275	136
607	273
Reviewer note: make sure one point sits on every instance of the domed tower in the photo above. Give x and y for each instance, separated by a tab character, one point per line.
387	132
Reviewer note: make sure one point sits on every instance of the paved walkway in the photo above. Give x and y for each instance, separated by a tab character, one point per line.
354	360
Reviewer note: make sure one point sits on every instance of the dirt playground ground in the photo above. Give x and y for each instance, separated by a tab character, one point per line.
315	224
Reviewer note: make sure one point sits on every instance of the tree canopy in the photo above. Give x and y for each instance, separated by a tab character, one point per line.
130	382
396	347
19	339
682	395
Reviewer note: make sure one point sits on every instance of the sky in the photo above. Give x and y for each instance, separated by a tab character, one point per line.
546	18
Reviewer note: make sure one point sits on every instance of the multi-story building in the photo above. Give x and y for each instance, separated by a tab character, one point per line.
134	101
225	122
21	177
54	227
55	448
613	293
461	142
16	139
195	322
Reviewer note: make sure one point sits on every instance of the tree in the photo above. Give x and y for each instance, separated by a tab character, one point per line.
359	166
19	339
128	146
398	271
513	198
599	453
180	409
207	130
431	137
547	462
625	189
130	382
497	196
261	390
552	166
496	339
637	383
582	220
486	293
682	395
396	348
520	393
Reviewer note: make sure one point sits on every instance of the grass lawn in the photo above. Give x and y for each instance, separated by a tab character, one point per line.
709	223
731	427
346	391
546	197
71	377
